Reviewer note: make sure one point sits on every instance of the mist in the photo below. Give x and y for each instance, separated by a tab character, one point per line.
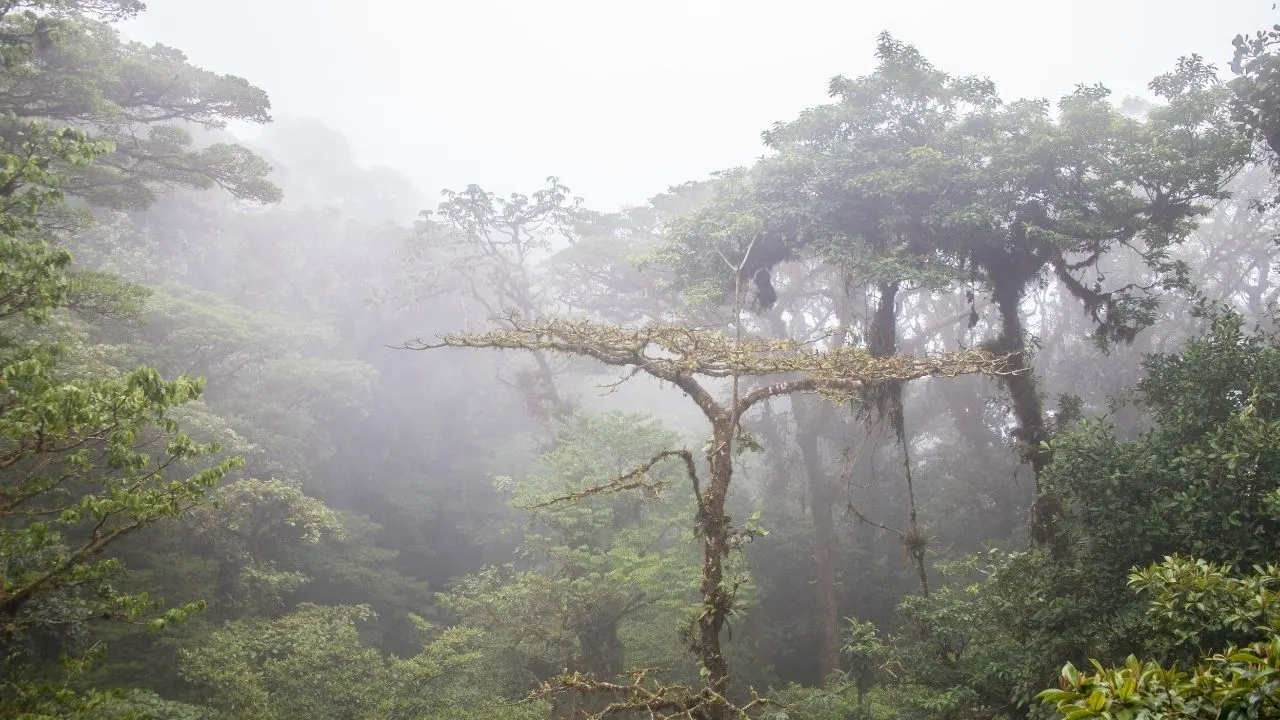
695	360
622	102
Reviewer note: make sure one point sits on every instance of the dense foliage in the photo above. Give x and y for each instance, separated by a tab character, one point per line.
949	406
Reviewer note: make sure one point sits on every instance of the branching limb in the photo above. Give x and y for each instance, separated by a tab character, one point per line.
631	480
676	354
641	695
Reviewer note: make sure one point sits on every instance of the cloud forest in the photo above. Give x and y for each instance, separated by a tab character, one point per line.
950	405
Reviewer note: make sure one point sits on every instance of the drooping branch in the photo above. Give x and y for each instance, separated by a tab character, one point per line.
1107	308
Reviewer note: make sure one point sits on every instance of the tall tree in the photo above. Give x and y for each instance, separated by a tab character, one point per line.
92	455
679	355
78	72
481	249
911	175
86	461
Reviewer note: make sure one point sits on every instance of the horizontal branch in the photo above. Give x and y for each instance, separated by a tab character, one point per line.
675	352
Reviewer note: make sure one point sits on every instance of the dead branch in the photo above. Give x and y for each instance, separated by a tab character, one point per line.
660	702
635	478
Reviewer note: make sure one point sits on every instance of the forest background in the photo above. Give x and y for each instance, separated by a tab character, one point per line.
943	397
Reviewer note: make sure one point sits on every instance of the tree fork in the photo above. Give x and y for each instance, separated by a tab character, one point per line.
677	354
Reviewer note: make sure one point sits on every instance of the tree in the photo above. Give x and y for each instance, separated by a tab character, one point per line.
1231	254
607	271
279	380
250	522
87	459
1201	480
1256	102
913	176
86	462
482	249
313	663
677	355
79	73
857	186
593	566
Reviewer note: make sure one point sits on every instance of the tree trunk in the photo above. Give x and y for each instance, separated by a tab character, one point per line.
822	501
601	656
1028	411
714	532
888	402
1020	381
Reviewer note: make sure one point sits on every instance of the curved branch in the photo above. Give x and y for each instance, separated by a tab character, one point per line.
632	479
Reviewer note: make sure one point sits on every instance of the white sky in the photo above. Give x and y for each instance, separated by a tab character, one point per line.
621	100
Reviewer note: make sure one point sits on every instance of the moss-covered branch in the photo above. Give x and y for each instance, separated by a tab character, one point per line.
668	351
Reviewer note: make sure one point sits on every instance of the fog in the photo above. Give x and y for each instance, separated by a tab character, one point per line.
620	100
701	360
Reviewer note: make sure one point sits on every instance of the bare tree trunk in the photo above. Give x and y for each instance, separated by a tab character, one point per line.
822	501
